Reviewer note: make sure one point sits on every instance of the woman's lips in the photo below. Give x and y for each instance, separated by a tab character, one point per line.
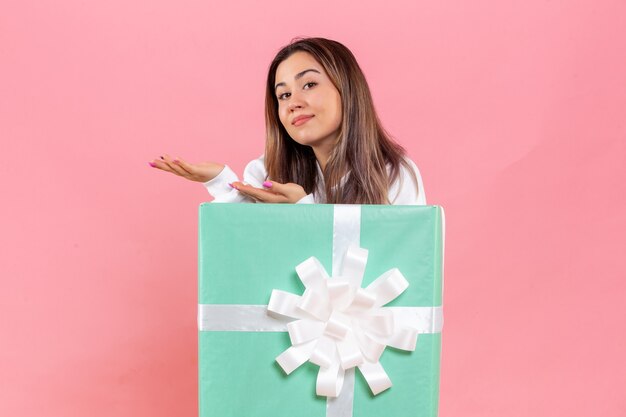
302	121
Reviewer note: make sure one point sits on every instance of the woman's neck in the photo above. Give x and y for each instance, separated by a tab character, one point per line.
321	154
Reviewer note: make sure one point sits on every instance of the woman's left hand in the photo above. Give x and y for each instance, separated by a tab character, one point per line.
273	192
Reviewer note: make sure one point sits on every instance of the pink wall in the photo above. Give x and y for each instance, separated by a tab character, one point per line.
515	115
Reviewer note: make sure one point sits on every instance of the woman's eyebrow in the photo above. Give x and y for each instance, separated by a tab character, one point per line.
298	76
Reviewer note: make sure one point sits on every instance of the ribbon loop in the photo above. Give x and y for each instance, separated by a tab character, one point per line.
312	273
301	331
295	356
338	325
339	292
324	353
349	353
353	265
388	286
404	339
376	377
283	303
314	303
363	300
379	322
330	381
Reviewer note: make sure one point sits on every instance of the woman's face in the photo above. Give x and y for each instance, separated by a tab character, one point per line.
304	89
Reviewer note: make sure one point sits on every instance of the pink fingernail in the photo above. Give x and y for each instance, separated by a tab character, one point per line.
151	164
230	184
267	184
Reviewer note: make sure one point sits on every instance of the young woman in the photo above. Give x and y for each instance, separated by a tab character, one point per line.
325	143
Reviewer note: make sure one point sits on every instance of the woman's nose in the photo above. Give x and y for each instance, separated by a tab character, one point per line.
293	105
295	102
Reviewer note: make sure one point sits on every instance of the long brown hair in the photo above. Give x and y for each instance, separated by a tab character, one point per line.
363	148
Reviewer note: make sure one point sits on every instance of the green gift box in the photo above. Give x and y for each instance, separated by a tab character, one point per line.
248	250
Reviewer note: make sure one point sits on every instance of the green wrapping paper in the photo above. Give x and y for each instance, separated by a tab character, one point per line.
247	250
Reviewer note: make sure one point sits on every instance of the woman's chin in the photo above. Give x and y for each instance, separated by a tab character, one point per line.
312	140
305	141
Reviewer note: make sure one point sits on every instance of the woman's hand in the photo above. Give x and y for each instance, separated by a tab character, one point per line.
201	172
273	192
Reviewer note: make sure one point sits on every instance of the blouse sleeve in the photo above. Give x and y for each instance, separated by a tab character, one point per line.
403	191
254	174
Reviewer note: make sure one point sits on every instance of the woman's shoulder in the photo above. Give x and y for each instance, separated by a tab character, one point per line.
405	190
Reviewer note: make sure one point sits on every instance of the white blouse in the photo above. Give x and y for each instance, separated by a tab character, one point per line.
401	192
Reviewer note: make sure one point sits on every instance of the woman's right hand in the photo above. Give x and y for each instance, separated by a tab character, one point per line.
201	172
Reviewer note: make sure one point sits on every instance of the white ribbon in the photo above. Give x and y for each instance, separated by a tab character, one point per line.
340	325
335	323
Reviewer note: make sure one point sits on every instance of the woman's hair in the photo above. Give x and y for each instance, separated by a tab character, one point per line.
363	148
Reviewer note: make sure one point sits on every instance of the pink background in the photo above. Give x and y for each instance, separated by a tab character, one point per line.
515	114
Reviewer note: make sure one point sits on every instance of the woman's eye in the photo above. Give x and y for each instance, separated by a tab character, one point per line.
280	96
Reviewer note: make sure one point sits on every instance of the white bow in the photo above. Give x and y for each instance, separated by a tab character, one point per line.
340	325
